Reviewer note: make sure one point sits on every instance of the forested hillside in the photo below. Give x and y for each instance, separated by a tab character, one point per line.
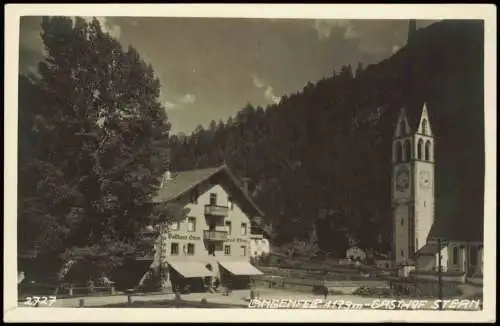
322	155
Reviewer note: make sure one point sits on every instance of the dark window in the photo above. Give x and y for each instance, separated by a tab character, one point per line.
174	249
408	155
227	250
243	250
191	224
229	227
190	249
402	222
230	202
399	152
213	199
211	249
455	255
419	149
428	150
424	127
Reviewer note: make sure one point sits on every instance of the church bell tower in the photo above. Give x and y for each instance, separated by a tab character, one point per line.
412	185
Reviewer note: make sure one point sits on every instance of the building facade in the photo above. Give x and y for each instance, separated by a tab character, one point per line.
213	241
413	205
412	186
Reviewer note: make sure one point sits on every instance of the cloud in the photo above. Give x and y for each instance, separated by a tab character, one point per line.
188	98
108	27
269	94
324	27
257	81
169	105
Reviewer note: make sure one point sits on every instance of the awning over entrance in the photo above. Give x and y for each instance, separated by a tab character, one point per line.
240	268
190	269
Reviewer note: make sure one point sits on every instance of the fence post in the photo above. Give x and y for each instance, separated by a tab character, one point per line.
129	299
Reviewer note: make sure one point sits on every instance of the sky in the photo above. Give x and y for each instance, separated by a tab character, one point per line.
210	68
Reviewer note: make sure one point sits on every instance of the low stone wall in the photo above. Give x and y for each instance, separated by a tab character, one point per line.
308	285
446	277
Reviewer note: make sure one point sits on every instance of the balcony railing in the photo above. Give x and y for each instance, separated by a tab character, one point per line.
215	210
215	235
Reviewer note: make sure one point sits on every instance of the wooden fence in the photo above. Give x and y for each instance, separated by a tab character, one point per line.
64	290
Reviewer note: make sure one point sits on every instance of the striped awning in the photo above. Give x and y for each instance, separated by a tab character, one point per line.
190	269
240	268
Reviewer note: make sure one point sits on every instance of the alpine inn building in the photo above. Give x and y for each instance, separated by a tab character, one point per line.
213	240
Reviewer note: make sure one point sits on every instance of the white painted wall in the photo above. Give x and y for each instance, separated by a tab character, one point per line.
424	201
238	241
401	237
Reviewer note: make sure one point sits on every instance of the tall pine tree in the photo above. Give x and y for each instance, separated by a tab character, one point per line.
97	147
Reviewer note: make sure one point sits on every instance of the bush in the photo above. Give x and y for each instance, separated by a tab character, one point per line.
373	292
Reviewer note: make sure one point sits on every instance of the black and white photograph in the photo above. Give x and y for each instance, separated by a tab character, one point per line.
251	162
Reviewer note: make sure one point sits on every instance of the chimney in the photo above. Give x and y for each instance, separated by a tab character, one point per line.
168	173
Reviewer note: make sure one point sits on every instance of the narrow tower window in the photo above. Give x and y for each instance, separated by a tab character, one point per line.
399	152
455	255
420	149
408	155
428	150
424	127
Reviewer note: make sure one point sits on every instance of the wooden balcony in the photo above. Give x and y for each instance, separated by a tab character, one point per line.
215	210
215	235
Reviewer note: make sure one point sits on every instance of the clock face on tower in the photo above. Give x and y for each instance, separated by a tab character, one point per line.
402	180
425	179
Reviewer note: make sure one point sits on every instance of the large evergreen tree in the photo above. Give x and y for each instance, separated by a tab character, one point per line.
95	133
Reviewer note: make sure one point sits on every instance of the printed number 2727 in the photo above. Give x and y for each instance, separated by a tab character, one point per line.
38	301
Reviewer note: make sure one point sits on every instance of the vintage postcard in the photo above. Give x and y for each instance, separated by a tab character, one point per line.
271	162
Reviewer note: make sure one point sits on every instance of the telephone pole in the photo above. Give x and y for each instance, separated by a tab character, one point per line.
440	275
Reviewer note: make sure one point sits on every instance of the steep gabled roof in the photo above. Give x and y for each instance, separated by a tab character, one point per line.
412	114
184	181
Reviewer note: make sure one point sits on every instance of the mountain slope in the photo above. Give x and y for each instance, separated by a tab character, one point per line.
325	151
